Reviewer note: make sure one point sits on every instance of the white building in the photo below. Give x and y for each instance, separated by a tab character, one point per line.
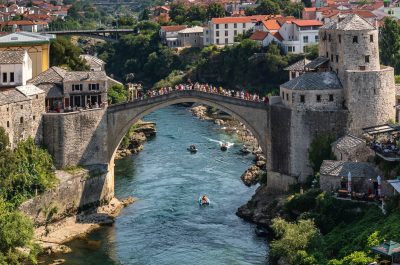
15	68
191	37
222	31
298	34
169	34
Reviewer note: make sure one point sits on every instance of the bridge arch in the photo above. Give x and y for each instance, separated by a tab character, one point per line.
120	117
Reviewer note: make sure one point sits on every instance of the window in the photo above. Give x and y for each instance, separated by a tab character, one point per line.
234	25
217	26
318	98
324	37
217	33
293	75
226	26
4	77
226	33
21	120
340	38
302	98
244	25
22	106
235	32
316	38
287	96
305	39
337	58
77	87
8	124
226	41
12	77
217	41
34	117
361	67
355	39
37	96
367	58
371	38
94	87
331	97
327	55
331	57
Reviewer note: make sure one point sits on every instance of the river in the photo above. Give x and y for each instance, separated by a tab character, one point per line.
166	225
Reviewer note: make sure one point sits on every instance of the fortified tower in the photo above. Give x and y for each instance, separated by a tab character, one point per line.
351	46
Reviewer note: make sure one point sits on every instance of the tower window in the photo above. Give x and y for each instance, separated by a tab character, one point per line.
8	124
331	97
337	58
302	98
371	38
327	55
331	57
21	120
340	38
22	106
355	39
367	58
318	98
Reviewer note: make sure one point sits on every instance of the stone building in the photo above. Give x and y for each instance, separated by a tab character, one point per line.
94	63
333	175
37	46
342	91
66	89
21	105
351	148
191	37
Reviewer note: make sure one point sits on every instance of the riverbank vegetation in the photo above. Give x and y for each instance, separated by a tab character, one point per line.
25	172
323	230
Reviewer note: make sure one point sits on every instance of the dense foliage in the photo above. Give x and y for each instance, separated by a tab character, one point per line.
389	42
270	7
116	94
320	150
195	14
24	172
64	53
348	229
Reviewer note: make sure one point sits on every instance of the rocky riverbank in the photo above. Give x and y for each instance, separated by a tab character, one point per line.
134	141
52	237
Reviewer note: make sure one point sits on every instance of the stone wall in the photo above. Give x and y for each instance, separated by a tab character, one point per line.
370	98
305	126
76	191
76	138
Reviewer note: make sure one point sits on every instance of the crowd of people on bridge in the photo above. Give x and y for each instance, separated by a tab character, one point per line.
207	88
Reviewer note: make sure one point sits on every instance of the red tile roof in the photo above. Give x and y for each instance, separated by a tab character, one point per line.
247	19
173	28
278	36
271	24
307	23
259	35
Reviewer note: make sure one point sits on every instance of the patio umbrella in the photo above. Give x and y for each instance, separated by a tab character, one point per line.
349	182
387	248
379	179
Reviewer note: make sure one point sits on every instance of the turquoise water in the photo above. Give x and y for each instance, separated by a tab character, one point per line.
166	225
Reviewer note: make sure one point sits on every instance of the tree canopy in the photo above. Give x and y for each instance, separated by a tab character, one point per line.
64	53
390	44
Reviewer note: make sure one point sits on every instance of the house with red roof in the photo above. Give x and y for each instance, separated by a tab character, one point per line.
298	34
265	38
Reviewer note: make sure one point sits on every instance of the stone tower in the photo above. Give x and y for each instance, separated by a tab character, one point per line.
351	45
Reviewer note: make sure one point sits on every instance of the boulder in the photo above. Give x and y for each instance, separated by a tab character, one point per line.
251	175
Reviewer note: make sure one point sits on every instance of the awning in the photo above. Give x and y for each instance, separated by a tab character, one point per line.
388	248
395	183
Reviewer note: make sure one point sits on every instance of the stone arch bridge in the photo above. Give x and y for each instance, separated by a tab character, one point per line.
91	137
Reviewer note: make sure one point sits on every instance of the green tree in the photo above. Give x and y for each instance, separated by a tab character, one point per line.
4	140
294	9
267	7
320	150
215	10
292	238
145	14
196	13
117	94
355	258
390	44
178	12
64	53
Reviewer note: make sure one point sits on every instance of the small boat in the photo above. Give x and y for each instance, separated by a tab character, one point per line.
192	149
204	200
245	150
224	147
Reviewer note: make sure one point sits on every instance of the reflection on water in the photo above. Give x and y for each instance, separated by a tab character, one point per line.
166	225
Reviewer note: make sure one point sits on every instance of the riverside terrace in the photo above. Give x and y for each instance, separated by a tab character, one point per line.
385	141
